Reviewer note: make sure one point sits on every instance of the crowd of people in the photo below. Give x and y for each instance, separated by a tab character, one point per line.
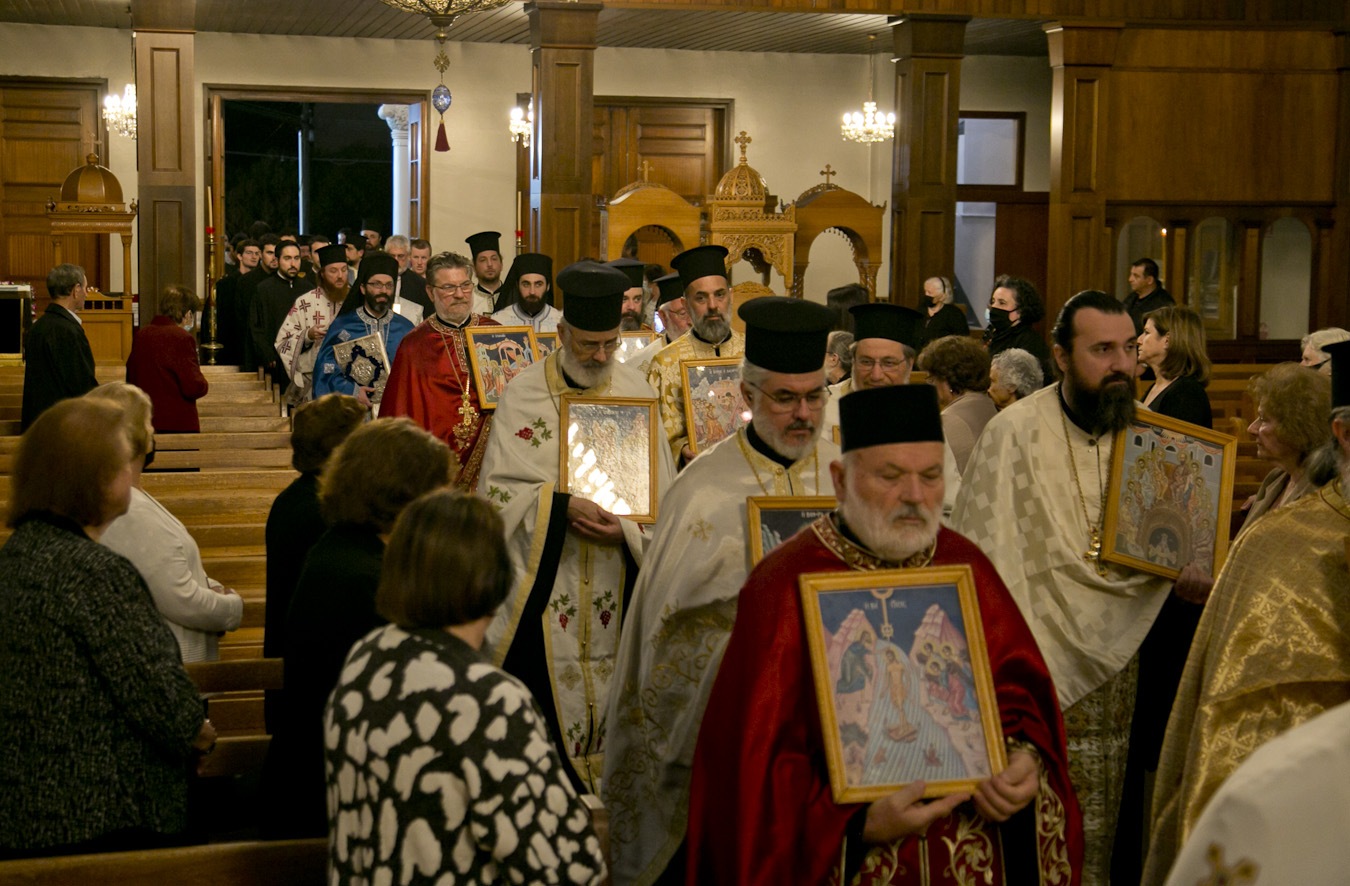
472	643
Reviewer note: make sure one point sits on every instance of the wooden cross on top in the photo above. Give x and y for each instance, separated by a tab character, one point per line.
743	140
828	172
646	170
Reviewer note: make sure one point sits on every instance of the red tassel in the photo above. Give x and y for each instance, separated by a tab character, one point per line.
442	143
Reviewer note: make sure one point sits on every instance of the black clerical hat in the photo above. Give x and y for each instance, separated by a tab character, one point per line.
786	334
631	268
483	241
885	320
670	288
527	263
333	254
701	261
592	295
1339	352
371	224
376	263
894	414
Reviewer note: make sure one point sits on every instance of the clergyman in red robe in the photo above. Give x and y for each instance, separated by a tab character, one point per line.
761	809
431	380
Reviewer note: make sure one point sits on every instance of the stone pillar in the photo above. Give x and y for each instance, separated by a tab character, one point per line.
166	152
562	50
397	118
1078	250
923	189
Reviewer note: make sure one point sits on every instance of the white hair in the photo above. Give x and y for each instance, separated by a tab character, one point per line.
1019	370
1323	337
397	240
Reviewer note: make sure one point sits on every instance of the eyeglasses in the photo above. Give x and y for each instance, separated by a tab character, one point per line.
786	401
380	287
590	347
466	287
887	364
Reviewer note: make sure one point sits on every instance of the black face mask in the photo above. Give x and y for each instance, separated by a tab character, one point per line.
998	319
149	457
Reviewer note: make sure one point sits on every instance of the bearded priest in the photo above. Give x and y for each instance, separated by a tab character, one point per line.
575	562
431	381
1034	498
685	601
760	804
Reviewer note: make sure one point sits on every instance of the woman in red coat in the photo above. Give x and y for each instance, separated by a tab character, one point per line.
163	363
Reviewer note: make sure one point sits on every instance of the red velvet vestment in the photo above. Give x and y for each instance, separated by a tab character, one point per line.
760	808
428	383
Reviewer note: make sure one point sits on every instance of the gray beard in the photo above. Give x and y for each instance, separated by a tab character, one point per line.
712	330
774	438
588	375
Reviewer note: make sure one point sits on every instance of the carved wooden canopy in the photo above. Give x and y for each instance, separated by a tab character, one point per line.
828	207
739	219
642	203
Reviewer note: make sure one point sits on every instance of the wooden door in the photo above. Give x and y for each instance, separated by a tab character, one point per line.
1021	240
46	129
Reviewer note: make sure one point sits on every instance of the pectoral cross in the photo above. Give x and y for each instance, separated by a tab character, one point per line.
828	172
468	419
1094	551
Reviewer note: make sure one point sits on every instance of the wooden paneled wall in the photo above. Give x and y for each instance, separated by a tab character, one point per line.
166	153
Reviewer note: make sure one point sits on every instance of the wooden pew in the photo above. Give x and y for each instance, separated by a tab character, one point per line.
272	863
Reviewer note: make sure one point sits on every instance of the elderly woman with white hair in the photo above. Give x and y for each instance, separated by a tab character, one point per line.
1314	343
1014	374
157	543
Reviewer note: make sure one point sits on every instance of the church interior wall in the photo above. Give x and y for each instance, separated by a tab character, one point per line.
1015	83
80	53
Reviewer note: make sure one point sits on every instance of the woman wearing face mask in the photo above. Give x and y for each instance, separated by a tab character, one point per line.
1014	306
163	363
942	317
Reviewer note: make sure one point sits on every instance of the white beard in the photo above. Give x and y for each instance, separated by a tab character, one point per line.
878	531
588	376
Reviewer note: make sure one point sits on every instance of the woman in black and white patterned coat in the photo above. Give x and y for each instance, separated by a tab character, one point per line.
438	764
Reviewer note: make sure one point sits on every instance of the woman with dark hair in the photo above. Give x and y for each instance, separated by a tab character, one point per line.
1173	346
295	521
373	475
163	363
493	802
1014	306
98	720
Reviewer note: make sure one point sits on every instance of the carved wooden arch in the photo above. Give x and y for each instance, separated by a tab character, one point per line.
742	293
828	207
739	229
644	204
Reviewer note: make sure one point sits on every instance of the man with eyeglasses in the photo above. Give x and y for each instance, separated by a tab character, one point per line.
558	631
529	286
885	342
368	322
431	380
685	600
674	320
297	342
707	297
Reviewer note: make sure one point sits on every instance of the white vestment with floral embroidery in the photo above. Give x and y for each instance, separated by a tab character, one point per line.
677	627
520	476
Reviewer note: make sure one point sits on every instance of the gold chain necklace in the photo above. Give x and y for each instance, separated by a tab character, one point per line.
745	453
1094	551
468	416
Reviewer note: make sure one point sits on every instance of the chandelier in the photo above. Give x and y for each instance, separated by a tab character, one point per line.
868	125
120	113
442	14
522	121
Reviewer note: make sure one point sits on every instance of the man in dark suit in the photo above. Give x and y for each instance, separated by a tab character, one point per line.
59	363
272	301
243	298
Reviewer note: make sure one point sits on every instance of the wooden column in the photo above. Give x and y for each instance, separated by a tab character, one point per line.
1078	254
165	147
562	47
1331	274
923	190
